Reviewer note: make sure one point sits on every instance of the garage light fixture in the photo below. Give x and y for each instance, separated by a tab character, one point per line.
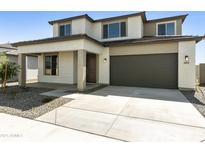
105	60
186	59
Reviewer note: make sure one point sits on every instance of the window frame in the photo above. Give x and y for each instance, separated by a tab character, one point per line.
118	22
64	25
119	30
166	22
44	64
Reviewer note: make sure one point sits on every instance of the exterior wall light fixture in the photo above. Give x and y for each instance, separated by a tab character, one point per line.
186	59
105	60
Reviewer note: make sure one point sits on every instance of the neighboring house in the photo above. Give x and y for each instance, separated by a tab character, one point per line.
31	62
127	50
11	54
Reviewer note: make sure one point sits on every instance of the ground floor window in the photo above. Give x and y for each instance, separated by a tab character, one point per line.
51	65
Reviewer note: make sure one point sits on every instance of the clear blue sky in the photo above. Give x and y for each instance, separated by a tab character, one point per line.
22	26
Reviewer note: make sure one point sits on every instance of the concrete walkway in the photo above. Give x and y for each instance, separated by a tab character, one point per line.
13	128
60	90
131	114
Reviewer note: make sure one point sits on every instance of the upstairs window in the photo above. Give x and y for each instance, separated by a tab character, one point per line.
65	30
51	65
114	30
164	29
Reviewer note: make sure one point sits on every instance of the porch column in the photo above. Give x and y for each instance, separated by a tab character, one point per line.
81	75
22	73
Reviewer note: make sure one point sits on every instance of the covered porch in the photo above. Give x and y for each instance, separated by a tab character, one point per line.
77	64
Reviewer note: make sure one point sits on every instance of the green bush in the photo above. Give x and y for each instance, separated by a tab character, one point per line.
7	70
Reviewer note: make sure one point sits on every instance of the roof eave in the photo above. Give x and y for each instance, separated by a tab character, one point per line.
55	39
182	17
71	18
142	14
197	39
9	48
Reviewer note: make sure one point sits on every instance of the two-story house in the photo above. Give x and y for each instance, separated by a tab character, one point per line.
127	50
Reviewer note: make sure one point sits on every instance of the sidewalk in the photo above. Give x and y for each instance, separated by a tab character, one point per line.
13	128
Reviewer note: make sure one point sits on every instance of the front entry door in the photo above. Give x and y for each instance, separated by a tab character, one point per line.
91	68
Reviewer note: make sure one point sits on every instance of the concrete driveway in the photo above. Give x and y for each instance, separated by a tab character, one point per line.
131	114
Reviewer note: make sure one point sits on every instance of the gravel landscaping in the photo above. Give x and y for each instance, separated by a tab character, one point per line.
27	102
197	98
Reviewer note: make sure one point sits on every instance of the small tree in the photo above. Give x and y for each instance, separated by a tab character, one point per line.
7	70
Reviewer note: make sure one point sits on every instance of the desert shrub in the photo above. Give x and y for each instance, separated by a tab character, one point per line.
7	70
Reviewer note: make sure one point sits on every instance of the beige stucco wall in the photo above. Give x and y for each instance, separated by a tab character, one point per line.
81	70
94	29
81	44
55	30
52	47
150	28
186	72
81	26
92	47
135	27
22	71
179	27
78	26
104	67
66	66
75	66
155	48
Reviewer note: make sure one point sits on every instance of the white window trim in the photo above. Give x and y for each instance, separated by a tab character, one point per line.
166	22
119	22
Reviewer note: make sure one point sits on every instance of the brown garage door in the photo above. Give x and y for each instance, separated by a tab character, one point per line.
157	70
